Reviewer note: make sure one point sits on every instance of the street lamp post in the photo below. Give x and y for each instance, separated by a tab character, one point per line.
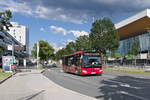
37	54
12	48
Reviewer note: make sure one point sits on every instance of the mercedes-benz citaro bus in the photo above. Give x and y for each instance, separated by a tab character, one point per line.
83	63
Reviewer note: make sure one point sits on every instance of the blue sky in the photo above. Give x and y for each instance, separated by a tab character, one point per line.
61	21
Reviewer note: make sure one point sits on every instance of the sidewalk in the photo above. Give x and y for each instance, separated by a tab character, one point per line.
34	86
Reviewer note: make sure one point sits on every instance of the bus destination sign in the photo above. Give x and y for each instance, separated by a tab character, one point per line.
92	54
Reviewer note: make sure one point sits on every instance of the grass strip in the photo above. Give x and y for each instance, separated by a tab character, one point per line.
4	75
42	67
128	71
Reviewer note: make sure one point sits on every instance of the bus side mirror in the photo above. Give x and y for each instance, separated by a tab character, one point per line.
81	57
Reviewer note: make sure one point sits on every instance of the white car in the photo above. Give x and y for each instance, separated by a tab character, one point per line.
147	70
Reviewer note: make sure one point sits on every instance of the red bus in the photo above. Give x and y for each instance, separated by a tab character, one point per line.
83	63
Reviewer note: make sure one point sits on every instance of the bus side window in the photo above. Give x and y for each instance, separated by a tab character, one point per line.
73	60
66	61
69	61
63	61
78	61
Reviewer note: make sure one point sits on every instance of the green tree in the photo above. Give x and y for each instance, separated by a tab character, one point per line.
83	43
104	36
5	24
5	20
60	53
71	47
45	50
1	50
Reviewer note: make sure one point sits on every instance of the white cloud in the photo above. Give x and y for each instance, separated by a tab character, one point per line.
55	14
73	10
58	29
38	11
42	29
63	31
57	46
69	40
77	33
22	8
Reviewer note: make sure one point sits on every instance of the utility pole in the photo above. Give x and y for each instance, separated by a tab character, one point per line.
37	54
12	48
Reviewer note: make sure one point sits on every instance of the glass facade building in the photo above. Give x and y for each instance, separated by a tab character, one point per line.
126	45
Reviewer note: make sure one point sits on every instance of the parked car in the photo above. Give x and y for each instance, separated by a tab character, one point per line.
54	65
147	70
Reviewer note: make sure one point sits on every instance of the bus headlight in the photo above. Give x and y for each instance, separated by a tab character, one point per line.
100	70
84	71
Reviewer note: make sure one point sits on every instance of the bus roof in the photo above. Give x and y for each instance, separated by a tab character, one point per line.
78	52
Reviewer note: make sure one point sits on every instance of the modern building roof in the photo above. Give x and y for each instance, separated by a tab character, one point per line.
134	25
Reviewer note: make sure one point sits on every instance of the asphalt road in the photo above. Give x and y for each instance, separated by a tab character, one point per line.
109	86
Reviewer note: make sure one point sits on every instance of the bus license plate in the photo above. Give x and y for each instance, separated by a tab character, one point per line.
93	73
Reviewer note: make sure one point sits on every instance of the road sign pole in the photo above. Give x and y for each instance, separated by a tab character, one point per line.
12	48
37	54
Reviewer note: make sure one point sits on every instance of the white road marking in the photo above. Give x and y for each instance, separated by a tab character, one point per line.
141	77
123	84
139	81
136	96
126	93
109	76
114	86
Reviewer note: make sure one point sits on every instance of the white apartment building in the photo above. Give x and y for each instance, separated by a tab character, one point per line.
21	34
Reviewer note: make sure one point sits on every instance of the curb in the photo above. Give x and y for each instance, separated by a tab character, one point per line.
43	70
7	78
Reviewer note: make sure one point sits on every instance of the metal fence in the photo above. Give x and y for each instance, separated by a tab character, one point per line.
141	63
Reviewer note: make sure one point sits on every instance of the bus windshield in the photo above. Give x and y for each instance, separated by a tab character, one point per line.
91	61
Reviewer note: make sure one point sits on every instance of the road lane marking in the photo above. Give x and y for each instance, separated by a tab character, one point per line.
136	96
123	84
61	71
142	77
114	86
126	93
109	76
129	79
138	81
